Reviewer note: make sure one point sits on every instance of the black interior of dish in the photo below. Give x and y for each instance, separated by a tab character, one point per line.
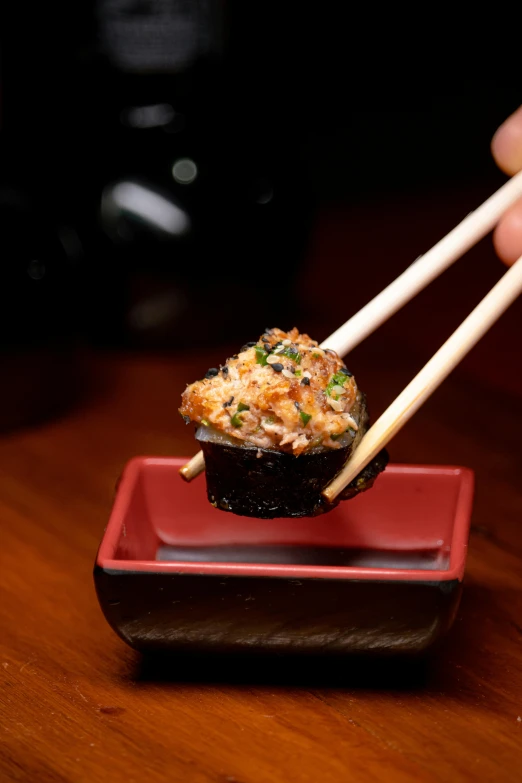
424	560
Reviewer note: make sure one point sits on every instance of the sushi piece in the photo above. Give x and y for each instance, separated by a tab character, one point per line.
276	423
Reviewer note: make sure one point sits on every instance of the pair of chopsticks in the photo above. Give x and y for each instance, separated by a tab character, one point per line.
415	278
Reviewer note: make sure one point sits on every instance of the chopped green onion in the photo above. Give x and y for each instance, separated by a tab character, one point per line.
316	356
243	407
236	420
336	436
337	380
205	422
298	373
295	356
305	417
261	355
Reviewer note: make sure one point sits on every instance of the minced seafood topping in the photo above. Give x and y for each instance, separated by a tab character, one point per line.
282	392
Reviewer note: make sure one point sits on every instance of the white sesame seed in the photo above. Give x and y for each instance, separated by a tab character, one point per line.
338	390
287	373
337	405
279	349
353	424
307	374
272	359
286	342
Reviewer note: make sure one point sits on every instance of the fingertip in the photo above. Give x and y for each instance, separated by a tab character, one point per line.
507	237
506	145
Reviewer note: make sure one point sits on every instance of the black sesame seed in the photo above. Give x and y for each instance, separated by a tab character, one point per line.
229	403
267	347
277	367
235	356
224	370
346	372
247	346
297	405
305	382
212	372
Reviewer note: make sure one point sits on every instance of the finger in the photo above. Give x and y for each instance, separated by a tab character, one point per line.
506	144
507	237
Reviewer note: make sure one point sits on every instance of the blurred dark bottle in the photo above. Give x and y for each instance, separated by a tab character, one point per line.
148	125
40	303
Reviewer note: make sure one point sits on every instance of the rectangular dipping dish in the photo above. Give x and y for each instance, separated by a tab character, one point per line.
381	573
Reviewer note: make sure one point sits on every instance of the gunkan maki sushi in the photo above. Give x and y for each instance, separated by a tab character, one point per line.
276	423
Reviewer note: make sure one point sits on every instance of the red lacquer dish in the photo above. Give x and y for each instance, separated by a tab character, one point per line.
380	573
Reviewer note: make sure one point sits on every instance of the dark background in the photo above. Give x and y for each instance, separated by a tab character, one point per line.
288	114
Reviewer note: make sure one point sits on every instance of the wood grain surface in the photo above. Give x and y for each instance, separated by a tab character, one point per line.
77	705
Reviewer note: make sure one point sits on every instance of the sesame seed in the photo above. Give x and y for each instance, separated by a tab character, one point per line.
305	381
247	346
336	404
286	342
277	367
351	421
212	372
338	390
346	372
224	370
287	373
279	349
229	403
272	359
267	346
307	374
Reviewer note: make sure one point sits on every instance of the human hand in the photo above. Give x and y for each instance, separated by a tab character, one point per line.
506	147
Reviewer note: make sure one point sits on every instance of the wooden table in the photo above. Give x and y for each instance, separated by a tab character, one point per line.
77	705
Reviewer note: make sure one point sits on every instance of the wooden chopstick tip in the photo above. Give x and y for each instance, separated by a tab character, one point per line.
193	467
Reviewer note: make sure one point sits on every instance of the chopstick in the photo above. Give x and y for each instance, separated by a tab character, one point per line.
463	339
416	277
193	468
426	268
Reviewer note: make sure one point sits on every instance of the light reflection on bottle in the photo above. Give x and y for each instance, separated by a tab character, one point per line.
132	200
